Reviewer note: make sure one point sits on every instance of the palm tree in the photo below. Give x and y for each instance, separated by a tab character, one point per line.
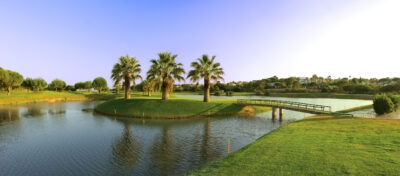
128	69
208	70
148	85
164	71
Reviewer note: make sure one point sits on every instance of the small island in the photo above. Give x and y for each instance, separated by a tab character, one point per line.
174	108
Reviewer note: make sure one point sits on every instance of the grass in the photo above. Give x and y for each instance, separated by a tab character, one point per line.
298	95
201	93
324	95
355	109
323	145
18	97
153	107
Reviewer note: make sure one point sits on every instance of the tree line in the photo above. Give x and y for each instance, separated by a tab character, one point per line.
161	76
165	71
11	79
305	85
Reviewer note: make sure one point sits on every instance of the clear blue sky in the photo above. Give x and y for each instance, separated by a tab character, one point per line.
80	40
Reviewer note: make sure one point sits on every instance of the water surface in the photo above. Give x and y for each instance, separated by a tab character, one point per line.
61	139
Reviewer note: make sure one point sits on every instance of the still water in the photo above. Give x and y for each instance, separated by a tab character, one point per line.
61	139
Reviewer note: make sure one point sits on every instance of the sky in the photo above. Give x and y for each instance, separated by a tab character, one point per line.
81	40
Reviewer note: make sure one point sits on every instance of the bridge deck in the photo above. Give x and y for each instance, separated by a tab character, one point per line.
296	106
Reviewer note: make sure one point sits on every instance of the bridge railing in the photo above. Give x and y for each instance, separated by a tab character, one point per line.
287	104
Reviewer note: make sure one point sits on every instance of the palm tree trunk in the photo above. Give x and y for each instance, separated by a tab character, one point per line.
8	90
165	93
127	87
117	89
148	92
206	90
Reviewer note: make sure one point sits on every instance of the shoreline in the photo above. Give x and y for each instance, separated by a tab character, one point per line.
294	140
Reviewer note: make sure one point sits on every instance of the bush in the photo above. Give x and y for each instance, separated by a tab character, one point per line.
383	104
218	93
266	93
396	101
259	92
229	93
358	89
390	88
326	89
295	91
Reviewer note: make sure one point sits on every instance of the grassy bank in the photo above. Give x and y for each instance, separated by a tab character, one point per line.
318	146
356	108
18	97
153	107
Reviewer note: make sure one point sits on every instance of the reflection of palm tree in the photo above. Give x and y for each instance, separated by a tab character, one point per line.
125	152
165	155
208	152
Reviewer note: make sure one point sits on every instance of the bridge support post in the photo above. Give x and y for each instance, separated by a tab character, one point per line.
273	113
280	114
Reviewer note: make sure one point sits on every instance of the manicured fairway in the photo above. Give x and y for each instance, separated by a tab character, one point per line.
318	146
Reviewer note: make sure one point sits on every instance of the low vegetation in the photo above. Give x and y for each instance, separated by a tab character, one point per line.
318	146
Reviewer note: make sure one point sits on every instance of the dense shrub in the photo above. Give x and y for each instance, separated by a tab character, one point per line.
218	93
396	101
358	88
390	88
383	104
266	93
326	89
295	91
229	93
70	88
259	92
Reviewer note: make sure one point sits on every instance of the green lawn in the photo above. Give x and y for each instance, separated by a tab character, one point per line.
324	95
298	95
318	146
154	107
17	97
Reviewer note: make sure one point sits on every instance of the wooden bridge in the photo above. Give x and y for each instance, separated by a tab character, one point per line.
290	105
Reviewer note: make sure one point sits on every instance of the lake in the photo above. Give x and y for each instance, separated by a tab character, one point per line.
62	139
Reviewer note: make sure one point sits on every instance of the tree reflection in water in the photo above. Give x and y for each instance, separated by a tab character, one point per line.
166	154
34	111
8	114
125	152
57	109
208	152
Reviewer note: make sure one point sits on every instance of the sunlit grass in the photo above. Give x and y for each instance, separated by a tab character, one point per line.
153	107
318	146
17	97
